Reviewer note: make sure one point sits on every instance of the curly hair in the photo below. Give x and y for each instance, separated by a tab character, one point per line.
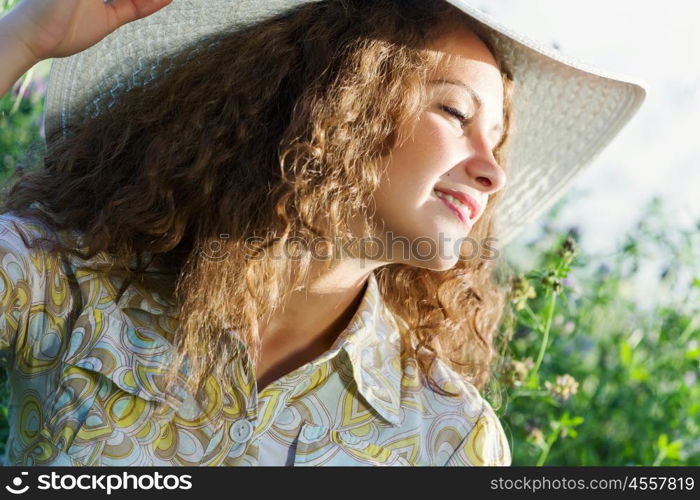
211	148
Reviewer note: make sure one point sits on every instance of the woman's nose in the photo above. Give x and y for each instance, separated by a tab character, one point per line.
483	168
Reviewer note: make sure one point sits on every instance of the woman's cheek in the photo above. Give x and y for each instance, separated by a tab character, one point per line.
421	160
437	141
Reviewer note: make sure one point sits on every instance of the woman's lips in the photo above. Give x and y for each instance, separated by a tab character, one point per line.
460	215
461	199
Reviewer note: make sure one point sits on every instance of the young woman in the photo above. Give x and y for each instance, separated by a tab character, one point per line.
265	255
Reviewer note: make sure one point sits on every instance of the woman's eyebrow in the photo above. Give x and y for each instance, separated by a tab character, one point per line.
473	94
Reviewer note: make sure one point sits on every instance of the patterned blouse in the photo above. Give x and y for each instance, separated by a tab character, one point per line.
84	369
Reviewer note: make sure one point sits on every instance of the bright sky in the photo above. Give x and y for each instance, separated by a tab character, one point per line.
658	152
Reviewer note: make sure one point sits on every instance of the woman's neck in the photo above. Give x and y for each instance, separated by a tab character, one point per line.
311	319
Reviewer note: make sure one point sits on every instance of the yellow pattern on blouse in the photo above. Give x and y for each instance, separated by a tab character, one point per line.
84	369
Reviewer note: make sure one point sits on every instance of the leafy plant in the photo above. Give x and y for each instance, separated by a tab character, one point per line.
612	382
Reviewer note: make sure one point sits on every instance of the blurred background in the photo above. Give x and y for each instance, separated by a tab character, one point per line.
657	154
603	361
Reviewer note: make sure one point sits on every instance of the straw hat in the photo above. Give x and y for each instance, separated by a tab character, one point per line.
564	112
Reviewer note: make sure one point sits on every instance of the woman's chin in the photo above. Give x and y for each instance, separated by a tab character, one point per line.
440	262
432	245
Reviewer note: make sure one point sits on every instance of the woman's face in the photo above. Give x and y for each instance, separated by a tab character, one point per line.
431	176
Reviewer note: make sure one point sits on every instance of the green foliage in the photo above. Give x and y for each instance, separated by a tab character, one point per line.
613	383
20	116
21	132
6	5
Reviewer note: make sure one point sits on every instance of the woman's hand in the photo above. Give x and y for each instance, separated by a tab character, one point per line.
60	28
41	29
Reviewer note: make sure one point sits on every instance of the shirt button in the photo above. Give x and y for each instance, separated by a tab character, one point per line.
241	430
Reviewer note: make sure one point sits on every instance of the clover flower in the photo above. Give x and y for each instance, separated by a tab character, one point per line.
536	437
551	280
518	371
522	292
568	249
563	387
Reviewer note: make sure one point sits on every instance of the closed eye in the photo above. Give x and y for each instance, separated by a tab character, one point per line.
461	117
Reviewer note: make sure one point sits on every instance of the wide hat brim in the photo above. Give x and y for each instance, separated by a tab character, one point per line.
564	112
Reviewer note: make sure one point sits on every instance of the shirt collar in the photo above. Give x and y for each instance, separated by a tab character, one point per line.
373	345
136	358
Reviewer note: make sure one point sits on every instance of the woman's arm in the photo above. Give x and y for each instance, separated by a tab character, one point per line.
41	29
15	58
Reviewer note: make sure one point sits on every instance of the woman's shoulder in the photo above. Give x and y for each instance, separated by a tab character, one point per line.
464	420
33	281
486	442
69	344
24	264
29	240
15	234
27	256
452	408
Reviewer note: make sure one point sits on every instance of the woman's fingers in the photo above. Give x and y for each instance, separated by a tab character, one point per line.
42	29
126	11
60	28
